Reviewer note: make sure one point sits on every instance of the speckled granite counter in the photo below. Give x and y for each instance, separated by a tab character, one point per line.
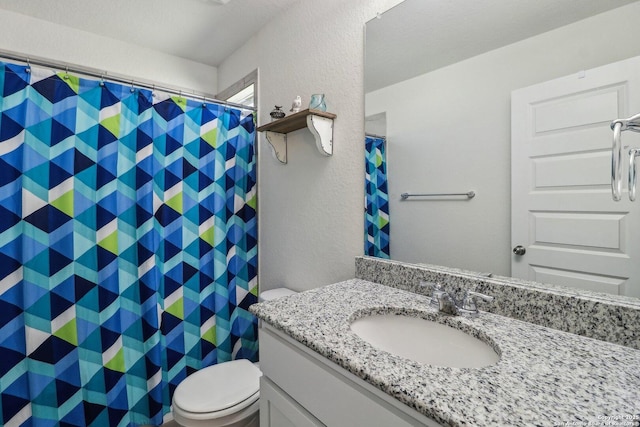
606	317
545	377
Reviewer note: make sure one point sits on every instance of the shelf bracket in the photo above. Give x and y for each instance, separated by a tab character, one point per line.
319	123
322	130
278	142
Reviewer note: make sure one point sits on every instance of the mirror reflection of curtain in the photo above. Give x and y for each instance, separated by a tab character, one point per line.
376	198
128	247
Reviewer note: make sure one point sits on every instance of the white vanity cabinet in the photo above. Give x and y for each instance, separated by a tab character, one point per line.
277	409
301	388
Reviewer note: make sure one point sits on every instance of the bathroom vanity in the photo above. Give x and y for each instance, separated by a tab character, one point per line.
300	388
317	371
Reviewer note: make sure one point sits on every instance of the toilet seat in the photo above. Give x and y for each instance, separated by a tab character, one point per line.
218	391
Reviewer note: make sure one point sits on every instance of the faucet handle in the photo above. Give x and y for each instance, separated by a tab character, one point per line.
469	302
433	286
436	291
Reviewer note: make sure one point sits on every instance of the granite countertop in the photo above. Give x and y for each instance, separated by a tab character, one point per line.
544	376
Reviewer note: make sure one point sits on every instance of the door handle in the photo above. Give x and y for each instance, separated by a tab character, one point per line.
519	250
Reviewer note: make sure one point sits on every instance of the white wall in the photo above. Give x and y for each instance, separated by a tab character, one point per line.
376	124
37	38
310	210
449	131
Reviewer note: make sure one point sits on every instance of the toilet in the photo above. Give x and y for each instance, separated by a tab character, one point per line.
226	394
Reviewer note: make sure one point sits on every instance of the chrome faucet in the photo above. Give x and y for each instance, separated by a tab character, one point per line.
447	304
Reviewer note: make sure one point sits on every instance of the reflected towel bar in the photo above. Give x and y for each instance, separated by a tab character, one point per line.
618	126
470	195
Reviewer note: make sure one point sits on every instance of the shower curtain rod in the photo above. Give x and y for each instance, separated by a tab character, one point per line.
92	72
373	135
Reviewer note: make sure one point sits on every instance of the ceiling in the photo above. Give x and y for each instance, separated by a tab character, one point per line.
206	31
419	36
201	30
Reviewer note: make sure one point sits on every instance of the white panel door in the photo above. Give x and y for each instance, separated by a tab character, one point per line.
562	211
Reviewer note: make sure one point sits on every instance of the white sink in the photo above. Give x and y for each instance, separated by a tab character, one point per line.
424	341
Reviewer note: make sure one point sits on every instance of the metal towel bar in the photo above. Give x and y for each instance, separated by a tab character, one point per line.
469	194
633	153
618	126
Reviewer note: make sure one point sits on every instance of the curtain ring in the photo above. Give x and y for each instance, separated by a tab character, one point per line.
132	88
28	69
153	91
204	101
66	73
102	79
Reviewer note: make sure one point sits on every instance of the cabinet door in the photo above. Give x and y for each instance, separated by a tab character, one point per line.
277	409
334	396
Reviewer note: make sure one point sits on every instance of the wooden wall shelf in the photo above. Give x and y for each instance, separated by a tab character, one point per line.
320	123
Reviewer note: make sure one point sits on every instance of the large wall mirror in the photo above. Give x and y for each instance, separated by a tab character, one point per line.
456	91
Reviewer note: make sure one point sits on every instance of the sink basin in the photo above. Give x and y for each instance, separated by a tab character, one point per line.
424	341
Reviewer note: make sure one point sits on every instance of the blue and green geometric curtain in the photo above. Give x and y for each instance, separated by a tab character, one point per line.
127	247
376	218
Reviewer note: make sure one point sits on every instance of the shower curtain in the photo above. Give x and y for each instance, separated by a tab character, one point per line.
376	221
127	247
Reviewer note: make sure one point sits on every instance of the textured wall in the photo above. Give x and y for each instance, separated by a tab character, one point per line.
37	38
311	210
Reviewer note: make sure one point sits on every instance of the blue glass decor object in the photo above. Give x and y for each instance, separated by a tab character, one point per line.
317	102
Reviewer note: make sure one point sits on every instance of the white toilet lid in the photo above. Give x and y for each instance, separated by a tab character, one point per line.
218	387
